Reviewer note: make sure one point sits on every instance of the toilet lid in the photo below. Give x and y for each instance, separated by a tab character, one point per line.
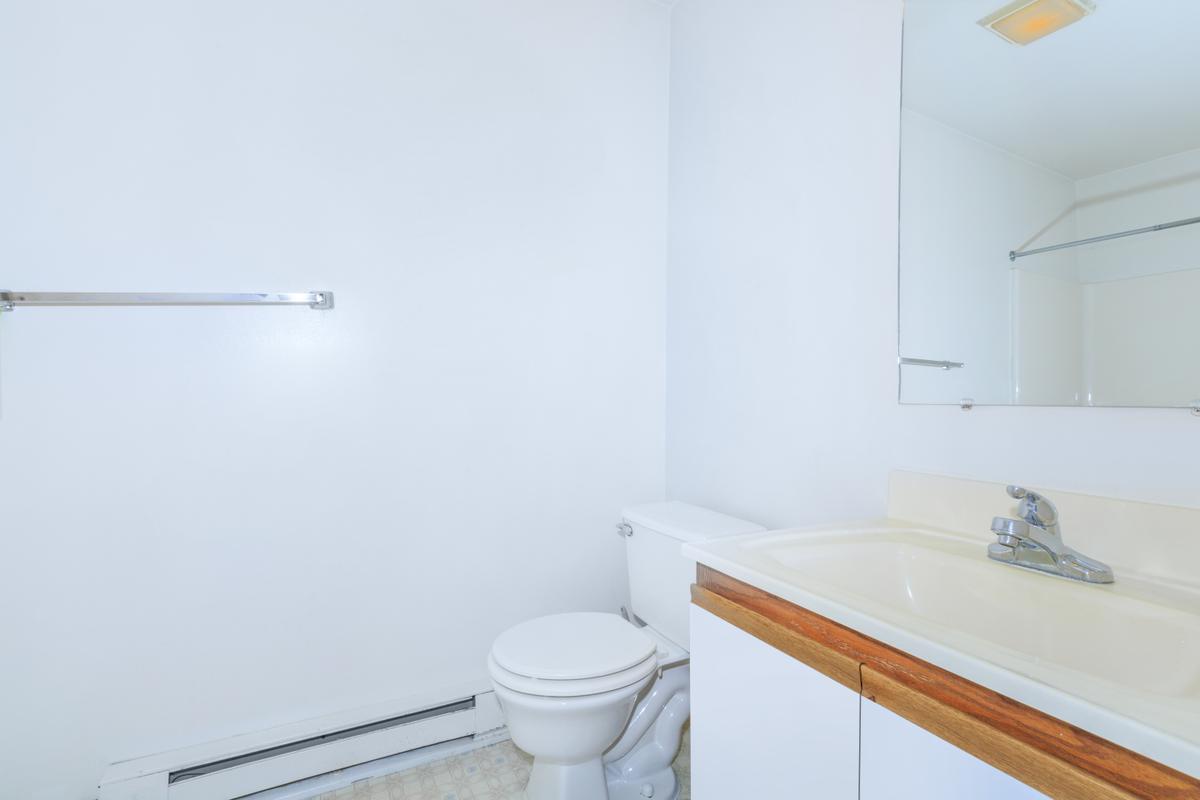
572	646
539	687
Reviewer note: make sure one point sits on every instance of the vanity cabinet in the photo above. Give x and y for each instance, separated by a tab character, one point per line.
762	721
768	725
789	704
901	761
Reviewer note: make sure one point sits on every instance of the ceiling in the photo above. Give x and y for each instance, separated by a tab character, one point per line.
1120	87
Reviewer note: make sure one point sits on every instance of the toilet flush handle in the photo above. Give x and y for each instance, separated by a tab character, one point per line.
625	529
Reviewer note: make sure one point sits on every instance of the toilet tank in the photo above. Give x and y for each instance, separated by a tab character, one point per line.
660	577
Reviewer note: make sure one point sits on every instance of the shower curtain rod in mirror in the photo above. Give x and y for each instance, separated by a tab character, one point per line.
1013	255
316	300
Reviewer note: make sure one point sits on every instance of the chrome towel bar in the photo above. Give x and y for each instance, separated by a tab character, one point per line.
316	300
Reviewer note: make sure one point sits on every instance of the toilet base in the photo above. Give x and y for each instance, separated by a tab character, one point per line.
639	765
662	785
587	782
577	781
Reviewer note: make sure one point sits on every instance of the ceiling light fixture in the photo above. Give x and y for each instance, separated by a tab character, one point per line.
1027	21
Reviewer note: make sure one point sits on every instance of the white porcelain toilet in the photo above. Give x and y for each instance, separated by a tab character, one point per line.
599	702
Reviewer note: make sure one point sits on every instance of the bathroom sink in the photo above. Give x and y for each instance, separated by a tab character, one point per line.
948	582
1098	656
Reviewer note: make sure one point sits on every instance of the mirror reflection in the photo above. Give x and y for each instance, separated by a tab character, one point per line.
1050	201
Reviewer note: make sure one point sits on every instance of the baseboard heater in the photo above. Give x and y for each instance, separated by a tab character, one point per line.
238	767
200	770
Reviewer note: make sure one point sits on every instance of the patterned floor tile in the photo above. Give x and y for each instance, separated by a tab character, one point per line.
497	772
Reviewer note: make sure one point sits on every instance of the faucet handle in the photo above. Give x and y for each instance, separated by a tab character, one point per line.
1035	509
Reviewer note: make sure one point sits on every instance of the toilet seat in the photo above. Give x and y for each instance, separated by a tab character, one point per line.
572	655
581	687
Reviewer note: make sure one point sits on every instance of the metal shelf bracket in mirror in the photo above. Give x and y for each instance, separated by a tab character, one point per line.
929	362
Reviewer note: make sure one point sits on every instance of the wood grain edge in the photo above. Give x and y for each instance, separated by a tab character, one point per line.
834	665
1036	768
1117	768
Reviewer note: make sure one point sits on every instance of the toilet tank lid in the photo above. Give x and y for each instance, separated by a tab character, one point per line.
687	523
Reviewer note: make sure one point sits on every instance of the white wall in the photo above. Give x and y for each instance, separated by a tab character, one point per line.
782	289
964	204
782	278
220	520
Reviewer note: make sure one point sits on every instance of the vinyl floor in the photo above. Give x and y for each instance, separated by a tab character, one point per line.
496	772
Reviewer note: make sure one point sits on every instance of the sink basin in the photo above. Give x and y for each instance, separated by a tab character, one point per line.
948	582
1121	660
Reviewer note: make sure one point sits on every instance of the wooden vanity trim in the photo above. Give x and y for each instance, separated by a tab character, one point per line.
831	663
1036	768
1055	758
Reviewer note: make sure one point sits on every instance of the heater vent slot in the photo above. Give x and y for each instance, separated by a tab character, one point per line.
200	770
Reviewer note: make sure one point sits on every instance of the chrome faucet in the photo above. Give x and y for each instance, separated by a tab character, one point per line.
1035	541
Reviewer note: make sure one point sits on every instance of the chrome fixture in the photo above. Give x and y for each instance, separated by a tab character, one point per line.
1035	541
929	362
316	300
1013	255
624	529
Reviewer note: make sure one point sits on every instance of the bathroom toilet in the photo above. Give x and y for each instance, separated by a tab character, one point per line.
600	701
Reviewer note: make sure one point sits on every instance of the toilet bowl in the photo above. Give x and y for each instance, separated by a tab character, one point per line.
568	685
599	702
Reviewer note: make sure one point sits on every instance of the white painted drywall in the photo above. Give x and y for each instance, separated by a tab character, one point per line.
782	289
782	281
217	520
965	204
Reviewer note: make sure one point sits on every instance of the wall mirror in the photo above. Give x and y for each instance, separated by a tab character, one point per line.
1050	203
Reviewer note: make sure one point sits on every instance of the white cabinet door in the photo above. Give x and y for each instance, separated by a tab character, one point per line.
901	761
765	725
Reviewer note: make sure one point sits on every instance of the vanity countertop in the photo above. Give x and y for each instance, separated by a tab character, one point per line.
1121	661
